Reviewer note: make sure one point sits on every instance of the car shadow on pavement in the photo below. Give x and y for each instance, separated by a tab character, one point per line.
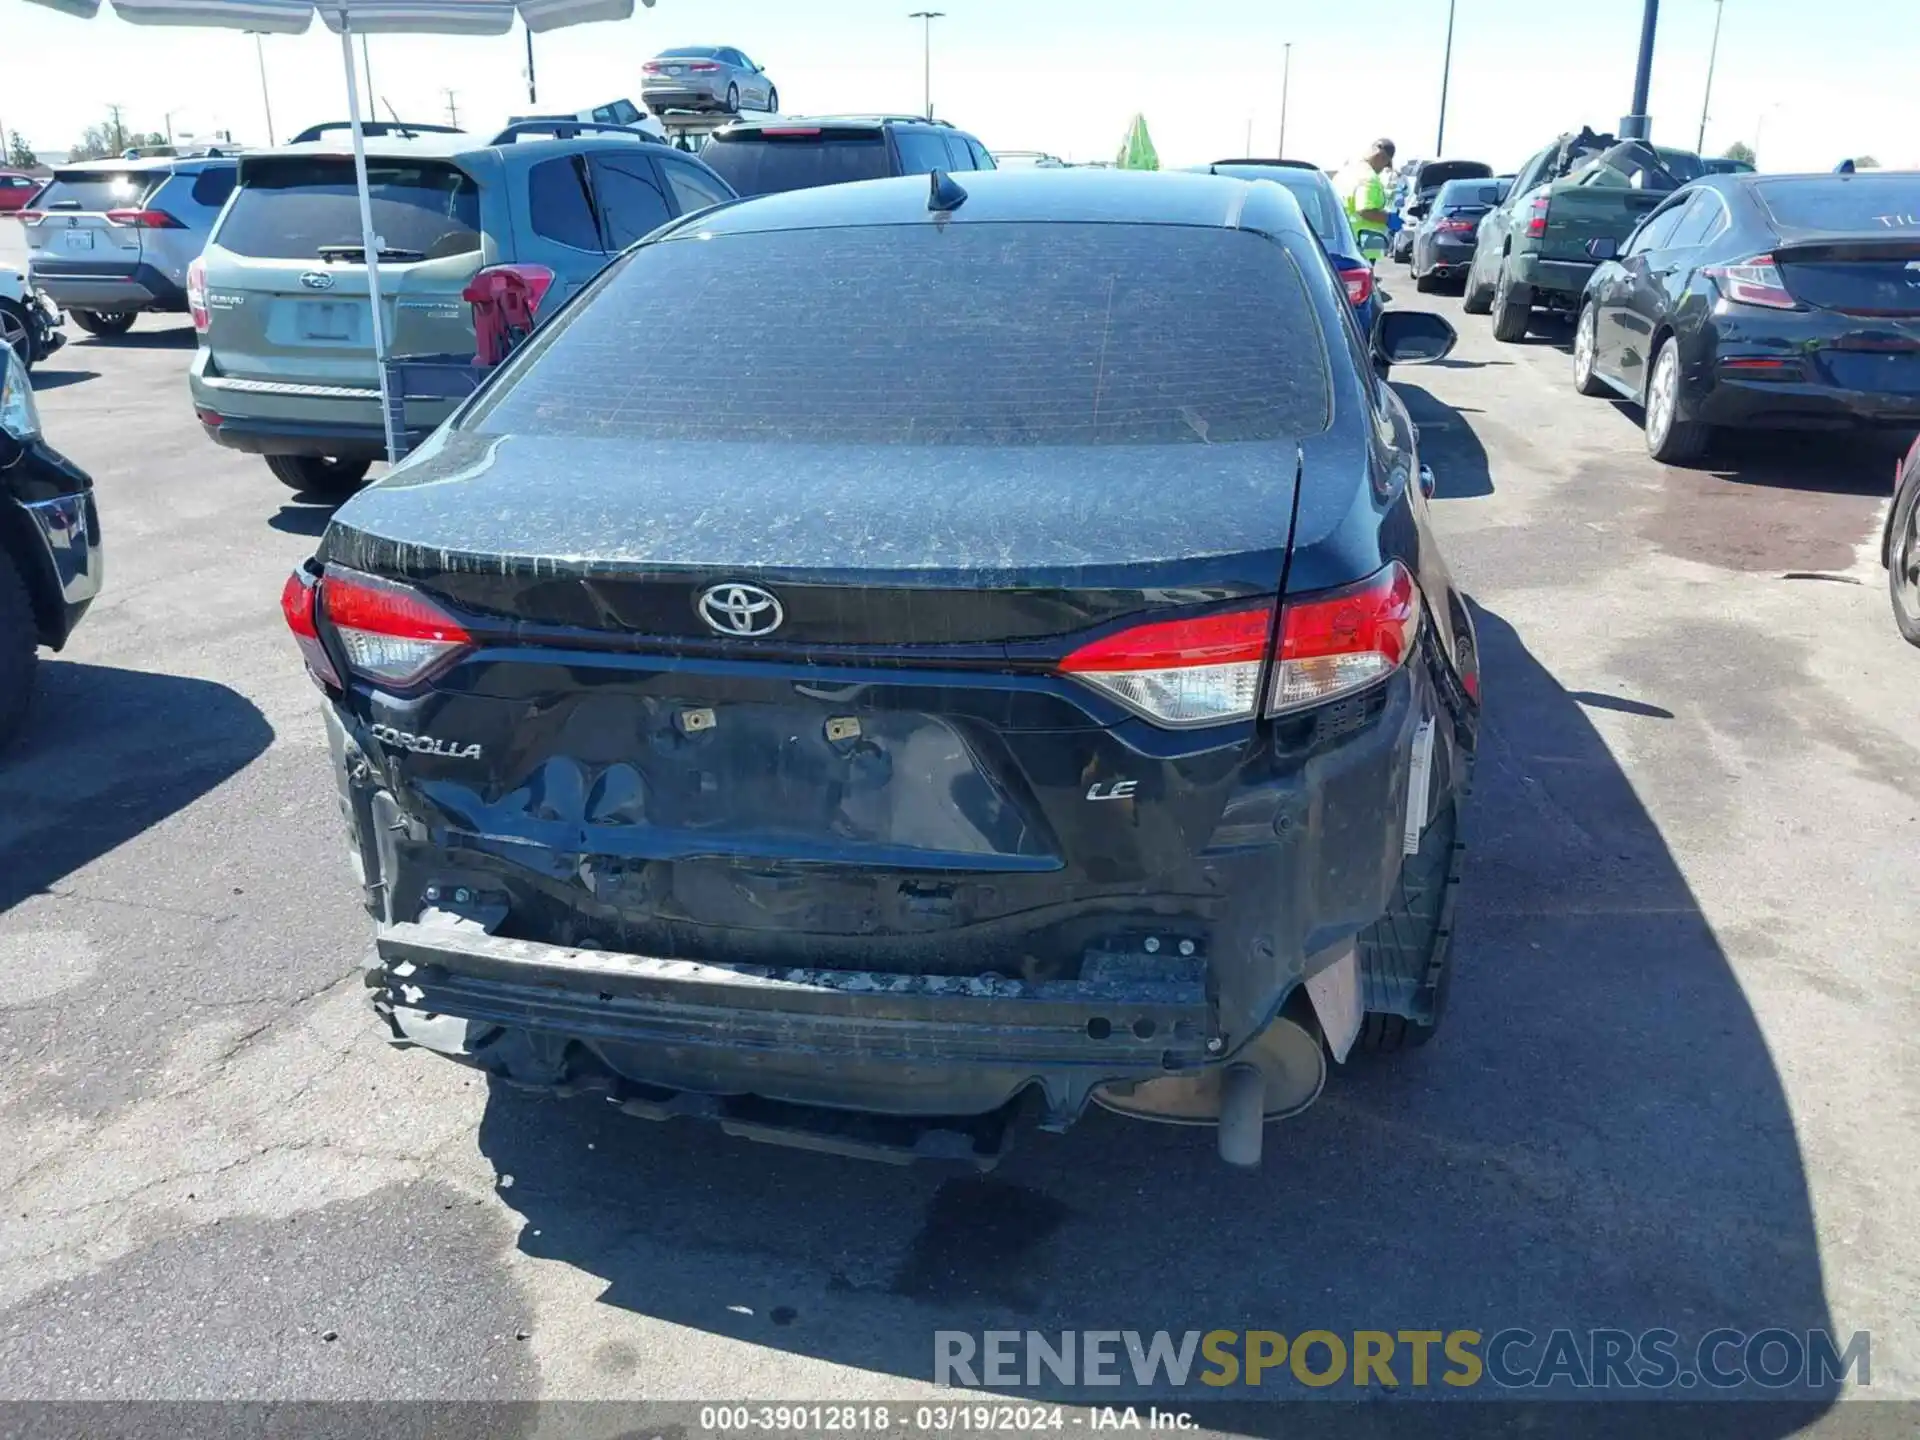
45	379
304	515
1596	1139
172	337
1448	445
107	754
1844	463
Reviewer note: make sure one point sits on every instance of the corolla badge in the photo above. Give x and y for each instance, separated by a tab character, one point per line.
425	744
316	280
743	610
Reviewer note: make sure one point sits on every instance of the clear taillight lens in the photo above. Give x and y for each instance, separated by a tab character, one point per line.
197	295
390	634
1181	673
1537	210
1339	641
296	605
1753	282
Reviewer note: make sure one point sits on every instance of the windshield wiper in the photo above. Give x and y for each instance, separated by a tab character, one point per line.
359	252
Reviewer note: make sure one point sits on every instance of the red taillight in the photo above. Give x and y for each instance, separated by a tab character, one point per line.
197	295
1459	227
1340	641
144	219
1200	671
653	67
391	634
30	217
703	66
1753	282
1537	216
296	604
1359	283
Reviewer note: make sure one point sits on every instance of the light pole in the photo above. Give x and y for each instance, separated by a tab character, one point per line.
366	64
1638	126
533	95
266	100
927	17
1286	75
1446	74
1713	55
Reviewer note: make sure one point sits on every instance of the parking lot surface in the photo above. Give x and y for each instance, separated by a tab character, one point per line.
1674	1087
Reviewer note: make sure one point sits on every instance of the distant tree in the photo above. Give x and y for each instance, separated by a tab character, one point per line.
95	144
19	153
1865	162
1743	152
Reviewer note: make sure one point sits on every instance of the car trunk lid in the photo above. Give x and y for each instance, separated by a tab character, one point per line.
73	227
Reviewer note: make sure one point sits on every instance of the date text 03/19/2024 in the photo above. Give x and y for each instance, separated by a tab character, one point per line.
976	1417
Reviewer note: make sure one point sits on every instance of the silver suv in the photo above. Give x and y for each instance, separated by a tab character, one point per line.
108	239
286	367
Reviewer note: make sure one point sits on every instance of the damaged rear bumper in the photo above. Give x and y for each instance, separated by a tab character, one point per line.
666	1037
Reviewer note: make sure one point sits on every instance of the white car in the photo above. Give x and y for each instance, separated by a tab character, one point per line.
29	324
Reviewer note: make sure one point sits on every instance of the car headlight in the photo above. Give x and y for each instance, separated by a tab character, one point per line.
19	417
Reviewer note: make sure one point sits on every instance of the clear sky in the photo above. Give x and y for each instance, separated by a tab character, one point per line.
1812	81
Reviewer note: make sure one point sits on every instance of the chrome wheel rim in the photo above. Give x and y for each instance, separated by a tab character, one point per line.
1906	562
1660	396
13	332
1583	347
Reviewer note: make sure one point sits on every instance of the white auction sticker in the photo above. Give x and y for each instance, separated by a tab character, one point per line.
1419	784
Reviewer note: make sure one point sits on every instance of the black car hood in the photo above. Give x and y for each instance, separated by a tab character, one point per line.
560	505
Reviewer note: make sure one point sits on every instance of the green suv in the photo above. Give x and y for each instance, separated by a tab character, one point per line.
285	367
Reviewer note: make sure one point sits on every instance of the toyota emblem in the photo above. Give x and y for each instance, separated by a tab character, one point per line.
744	610
316	280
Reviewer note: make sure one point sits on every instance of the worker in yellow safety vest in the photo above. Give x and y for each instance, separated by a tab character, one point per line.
1363	190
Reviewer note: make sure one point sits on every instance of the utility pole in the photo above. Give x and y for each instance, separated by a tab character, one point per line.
1446	74
927	17
1638	125
266	101
533	93
453	109
1713	56
119	134
1286	75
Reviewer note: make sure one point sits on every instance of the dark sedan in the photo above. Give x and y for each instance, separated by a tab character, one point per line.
1024	678
1443	240
1761	302
1319	202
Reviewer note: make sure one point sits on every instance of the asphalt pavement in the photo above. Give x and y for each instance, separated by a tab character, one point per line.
1675	1087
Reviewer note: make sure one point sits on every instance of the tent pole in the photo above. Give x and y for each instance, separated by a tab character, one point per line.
368	239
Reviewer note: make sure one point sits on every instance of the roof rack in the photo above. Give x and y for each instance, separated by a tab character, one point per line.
565	127
373	127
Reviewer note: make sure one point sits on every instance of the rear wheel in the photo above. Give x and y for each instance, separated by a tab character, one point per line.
16	332
1478	298
1585	344
18	655
1413	940
1512	308
733	99
773	100
1903	556
1671	439
317	474
103	322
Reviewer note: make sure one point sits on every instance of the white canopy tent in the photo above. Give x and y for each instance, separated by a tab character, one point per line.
347	18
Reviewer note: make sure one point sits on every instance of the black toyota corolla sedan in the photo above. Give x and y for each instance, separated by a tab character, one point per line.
1761	302
1023	676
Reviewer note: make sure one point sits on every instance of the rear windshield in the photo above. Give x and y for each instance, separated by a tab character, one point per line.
1683	165
690	52
288	208
1432	177
754	165
1469	192
1311	190
99	190
969	334
1867	204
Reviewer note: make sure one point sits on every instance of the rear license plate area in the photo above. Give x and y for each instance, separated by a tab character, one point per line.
77	239
328	320
1875	373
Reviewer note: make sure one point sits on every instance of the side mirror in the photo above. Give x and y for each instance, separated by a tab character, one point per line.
1412	337
1603	247
1371	240
1418	211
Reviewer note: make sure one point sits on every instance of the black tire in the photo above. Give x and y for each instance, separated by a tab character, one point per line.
316	475
19	655
773	100
1512	308
733	99
108	323
1672	439
1426	284
1585	341
1903	556
1414	939
1475	299
16	328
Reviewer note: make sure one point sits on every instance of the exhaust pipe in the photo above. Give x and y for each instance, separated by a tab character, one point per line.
1277	1075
